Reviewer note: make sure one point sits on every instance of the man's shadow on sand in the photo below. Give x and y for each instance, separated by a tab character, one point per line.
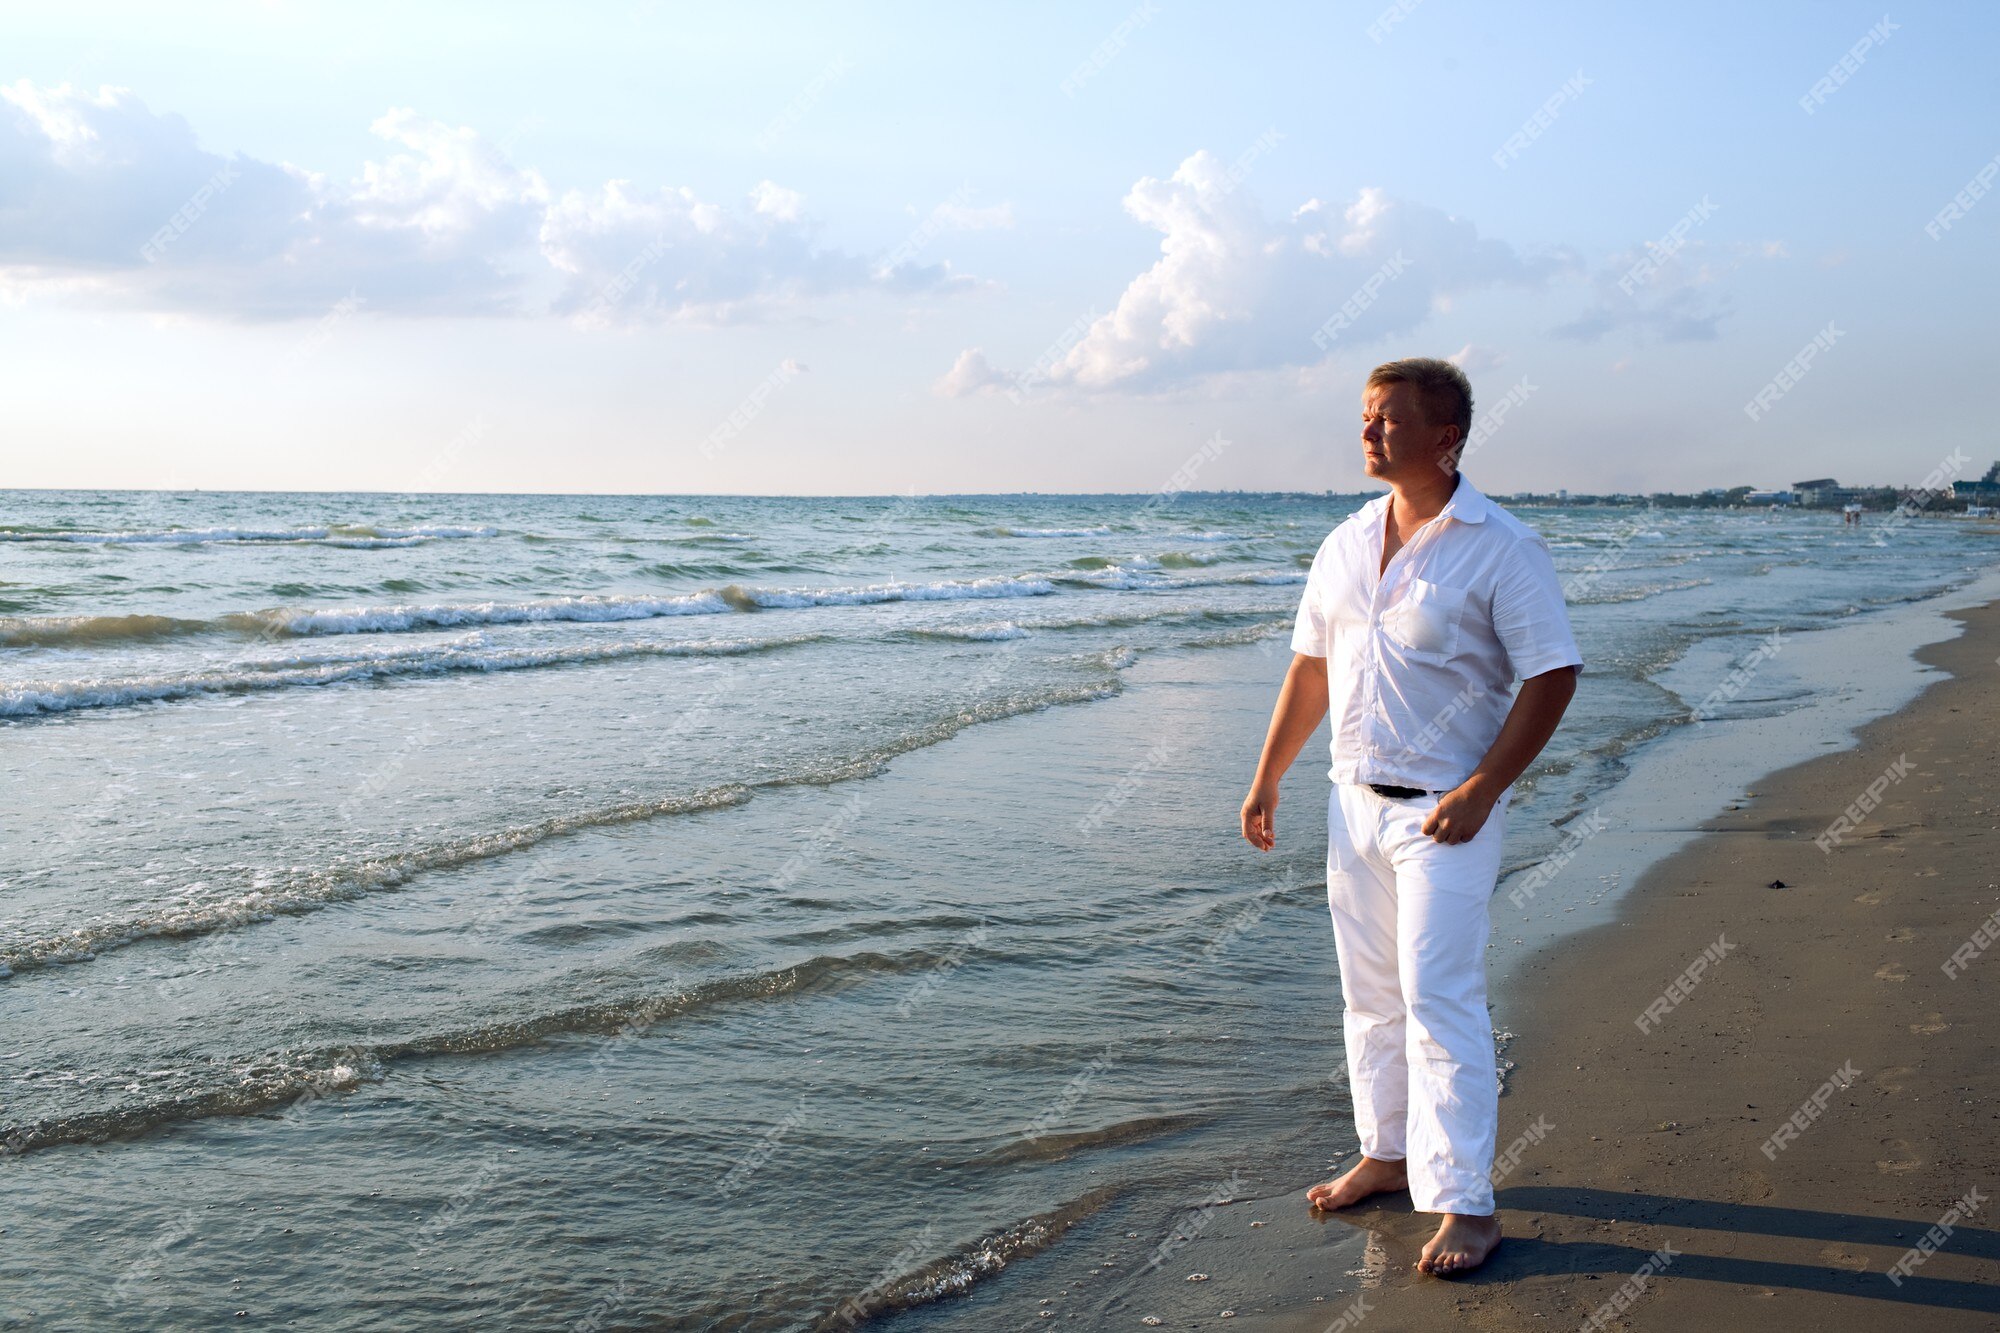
1525	1256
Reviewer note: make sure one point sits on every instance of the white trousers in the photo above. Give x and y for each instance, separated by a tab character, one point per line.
1410	926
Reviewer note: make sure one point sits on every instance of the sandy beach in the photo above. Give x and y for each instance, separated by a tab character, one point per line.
1739	1105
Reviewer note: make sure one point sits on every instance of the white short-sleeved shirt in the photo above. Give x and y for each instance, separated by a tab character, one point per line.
1422	657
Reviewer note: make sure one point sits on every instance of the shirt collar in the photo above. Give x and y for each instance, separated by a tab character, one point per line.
1467	504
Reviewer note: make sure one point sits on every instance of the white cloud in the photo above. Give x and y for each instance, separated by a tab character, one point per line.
116	205
450	184
1235	291
971	374
1472	360
104	201
668	254
774	200
953	215
1673	295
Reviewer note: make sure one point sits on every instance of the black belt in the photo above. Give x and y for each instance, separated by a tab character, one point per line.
1397	793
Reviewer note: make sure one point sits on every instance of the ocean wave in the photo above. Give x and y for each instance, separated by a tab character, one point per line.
959	1272
303	622
291	1081
595	609
450	615
296	892
697	539
1054	1147
1004	629
947	591
1027	626
334	534
1164	560
1245	634
1126	578
691	569
38	698
265	1083
77	631
81	631
1615	596
1045	532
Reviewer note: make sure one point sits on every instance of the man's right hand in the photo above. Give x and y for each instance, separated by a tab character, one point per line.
1260	818
1301	706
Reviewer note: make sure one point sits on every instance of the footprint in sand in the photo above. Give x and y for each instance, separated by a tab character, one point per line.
1891	1079
1901	935
1835	1256
1931	1026
1872	898
1902	1158
1892	972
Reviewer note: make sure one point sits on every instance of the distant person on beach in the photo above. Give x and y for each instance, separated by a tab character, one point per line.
1420	612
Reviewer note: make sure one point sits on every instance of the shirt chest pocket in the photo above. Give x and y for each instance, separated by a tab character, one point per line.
1426	622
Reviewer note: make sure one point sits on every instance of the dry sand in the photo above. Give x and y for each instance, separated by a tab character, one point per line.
1653	1142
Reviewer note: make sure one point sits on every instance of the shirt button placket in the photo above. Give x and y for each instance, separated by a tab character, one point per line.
1373	675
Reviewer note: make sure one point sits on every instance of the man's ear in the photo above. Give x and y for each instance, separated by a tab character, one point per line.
1453	446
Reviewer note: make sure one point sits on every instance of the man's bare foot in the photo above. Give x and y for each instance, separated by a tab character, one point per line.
1461	1244
1369	1177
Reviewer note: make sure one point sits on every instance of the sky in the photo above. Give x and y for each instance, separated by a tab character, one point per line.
642	247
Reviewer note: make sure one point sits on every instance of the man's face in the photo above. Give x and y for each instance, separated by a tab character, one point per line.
1397	441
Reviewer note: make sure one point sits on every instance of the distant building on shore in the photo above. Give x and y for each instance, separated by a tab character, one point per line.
1770	498
1825	493
1985	492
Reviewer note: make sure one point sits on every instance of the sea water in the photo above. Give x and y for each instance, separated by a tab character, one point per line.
593	912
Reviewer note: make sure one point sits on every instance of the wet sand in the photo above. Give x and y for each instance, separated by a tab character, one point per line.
1826	1003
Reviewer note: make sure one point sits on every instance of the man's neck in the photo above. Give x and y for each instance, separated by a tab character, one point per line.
1414	504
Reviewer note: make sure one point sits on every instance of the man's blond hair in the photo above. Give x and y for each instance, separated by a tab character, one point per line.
1442	389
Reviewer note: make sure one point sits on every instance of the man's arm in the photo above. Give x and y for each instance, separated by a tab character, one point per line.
1461	812
1301	705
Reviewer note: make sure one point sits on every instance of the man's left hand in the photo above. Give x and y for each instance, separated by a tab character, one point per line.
1460	814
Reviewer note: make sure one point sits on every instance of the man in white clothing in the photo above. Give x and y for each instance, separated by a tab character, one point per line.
1420	612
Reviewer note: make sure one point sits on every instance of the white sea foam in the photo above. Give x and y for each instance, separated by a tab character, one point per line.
1129	578
63	631
1004	629
447	615
34	698
335	535
1051	532
947	591
445	530
735	597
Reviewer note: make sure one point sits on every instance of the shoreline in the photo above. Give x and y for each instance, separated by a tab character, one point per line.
1663	1049
1852	674
1277	1266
